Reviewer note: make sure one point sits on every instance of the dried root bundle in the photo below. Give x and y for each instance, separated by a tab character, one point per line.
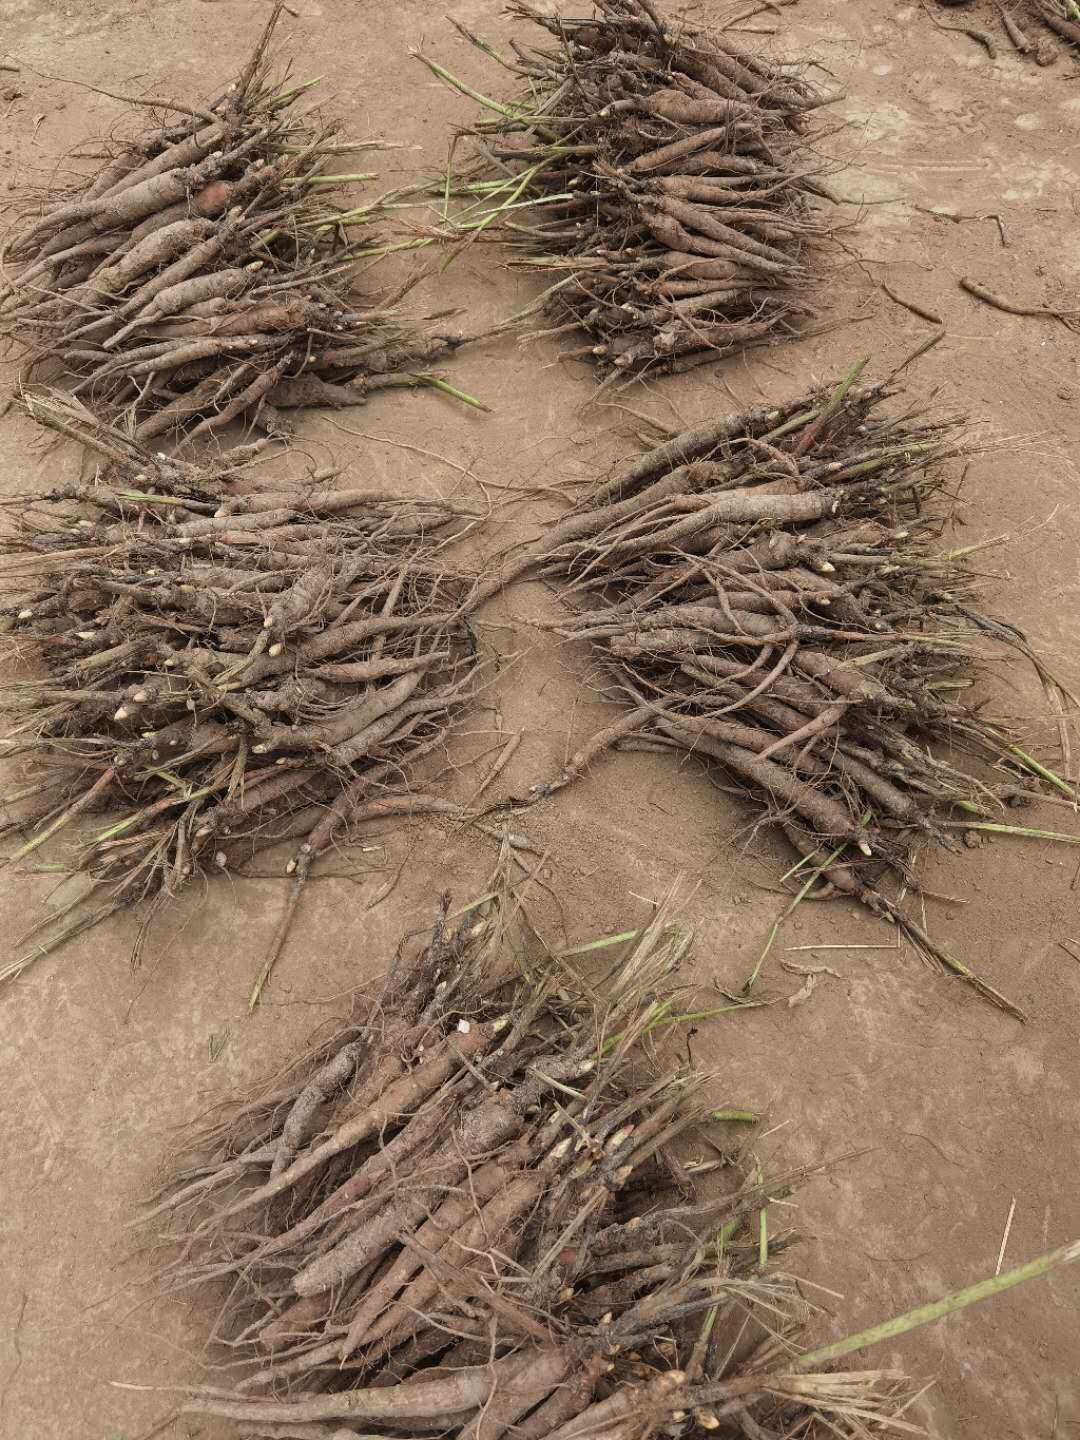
1023	23
462	1216
672	180
769	592
203	274
225	673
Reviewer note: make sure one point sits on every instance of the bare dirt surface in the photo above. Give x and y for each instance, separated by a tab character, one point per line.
955	1110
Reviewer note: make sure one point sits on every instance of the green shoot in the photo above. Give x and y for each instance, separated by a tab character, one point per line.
804	890
344	147
800	864
763	1228
938	1309
832	405
654	1016
1025	831
602	944
689	1016
147	499
372	251
481	44
312	180
1036	768
434	383
112	831
508	112
100	785
726	1231
286	97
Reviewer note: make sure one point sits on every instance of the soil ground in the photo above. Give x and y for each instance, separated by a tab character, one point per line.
954	1110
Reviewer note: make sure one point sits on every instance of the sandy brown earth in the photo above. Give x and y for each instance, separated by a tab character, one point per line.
957	1110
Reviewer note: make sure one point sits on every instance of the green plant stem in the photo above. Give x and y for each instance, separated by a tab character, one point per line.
1030	763
804	890
100	785
726	1231
506	111
602	944
434	383
938	1309
325	180
121	825
1024	830
285	97
763	1228
836	399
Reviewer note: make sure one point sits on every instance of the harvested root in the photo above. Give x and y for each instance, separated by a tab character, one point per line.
480	1229
225	671
672	179
1025	24
477	1231
770	594
203	274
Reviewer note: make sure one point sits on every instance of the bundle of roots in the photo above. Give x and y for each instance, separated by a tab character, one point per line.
228	672
672	179
462	1214
1024	22
769	591
203	275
